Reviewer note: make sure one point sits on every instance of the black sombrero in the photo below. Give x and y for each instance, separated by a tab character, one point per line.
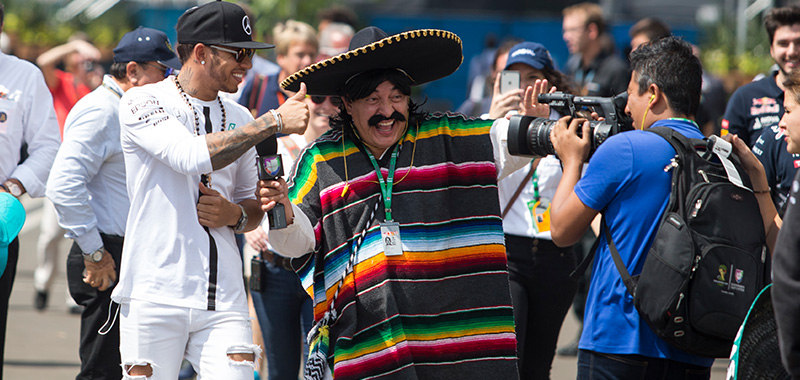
424	55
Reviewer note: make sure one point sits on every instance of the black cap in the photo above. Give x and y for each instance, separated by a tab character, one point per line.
217	23
146	45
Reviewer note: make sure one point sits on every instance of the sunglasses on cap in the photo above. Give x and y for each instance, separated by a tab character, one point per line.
167	70
239	54
319	99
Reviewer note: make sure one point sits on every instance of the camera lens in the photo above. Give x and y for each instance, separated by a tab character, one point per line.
539	136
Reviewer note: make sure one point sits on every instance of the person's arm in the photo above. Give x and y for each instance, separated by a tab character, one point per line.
755	170
298	238
40	131
569	216
215	211
48	60
85	148
504	162
162	135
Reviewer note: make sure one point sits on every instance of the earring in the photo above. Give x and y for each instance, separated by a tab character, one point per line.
202	62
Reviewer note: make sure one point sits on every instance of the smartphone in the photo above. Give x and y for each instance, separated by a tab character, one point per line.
509	80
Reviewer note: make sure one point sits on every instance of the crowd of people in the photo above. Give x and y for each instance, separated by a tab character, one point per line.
415	245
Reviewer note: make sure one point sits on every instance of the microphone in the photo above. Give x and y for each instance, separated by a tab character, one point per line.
270	167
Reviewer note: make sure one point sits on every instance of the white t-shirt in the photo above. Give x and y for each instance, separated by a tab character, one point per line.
166	257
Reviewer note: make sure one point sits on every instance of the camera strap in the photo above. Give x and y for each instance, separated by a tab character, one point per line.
521	186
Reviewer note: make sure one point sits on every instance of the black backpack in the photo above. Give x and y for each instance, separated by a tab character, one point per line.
709	258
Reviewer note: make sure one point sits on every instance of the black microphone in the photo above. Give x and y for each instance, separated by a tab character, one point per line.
270	167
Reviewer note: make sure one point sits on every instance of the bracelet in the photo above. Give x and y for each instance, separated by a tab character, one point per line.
762	191
242	223
278	120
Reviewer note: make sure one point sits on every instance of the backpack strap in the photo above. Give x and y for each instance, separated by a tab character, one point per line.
623	271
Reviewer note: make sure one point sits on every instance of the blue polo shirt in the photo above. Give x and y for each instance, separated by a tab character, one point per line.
625	179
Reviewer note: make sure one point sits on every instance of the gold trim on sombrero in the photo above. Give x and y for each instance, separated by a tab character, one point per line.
371	47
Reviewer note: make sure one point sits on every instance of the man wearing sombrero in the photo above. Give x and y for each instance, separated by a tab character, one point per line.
400	212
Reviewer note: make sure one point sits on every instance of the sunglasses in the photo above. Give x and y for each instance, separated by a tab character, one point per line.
319	99
239	54
167	70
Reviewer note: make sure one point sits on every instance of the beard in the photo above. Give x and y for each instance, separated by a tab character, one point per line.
224	82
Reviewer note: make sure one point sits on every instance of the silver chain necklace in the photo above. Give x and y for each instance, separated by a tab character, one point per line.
197	117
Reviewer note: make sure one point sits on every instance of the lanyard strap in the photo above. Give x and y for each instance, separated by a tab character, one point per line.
386	186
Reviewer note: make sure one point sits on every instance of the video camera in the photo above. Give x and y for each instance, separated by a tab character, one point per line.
530	136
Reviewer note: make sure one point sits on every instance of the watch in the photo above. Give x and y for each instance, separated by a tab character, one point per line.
242	222
94	257
13	188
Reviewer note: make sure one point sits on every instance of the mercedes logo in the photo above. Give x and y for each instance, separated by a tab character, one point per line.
246	25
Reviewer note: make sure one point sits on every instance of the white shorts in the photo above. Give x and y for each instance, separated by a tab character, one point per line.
162	335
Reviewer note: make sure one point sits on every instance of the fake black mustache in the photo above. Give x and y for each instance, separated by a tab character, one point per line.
373	121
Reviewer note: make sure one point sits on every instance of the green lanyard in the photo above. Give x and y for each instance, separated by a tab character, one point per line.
386	186
686	120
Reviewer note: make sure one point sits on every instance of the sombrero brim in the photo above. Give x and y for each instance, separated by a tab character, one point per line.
424	55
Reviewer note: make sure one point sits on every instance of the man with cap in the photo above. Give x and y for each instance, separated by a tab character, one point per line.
190	173
87	187
399	211
27	117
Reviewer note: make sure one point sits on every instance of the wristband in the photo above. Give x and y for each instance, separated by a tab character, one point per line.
278	120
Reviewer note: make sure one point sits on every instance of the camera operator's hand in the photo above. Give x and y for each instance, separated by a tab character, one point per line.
502	104
530	105
270	192
570	148
294	112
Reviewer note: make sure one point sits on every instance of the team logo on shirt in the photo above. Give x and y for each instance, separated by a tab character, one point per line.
3	117
764	105
231	126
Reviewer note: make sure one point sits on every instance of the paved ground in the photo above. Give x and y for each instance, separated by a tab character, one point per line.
44	345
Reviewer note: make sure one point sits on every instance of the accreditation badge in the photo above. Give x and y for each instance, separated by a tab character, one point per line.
390	235
540	214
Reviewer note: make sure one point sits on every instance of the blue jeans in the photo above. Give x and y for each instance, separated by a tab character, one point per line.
285	317
601	366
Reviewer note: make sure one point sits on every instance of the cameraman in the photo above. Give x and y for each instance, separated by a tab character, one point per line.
625	179
541	289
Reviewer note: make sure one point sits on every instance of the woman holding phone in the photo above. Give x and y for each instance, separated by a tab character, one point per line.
541	289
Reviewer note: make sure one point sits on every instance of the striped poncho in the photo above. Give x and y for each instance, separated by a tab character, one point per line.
442	310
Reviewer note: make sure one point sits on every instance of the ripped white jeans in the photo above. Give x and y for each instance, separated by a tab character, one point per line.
162	335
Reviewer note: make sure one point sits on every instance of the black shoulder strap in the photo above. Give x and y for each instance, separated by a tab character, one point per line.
623	271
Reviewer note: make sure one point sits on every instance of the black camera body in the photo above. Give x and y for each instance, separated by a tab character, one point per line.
530	136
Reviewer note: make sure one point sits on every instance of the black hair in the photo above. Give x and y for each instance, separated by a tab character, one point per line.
2	14
119	70
670	64
556	78
778	17
185	51
364	84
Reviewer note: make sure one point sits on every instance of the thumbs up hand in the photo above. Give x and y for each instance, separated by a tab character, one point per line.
294	112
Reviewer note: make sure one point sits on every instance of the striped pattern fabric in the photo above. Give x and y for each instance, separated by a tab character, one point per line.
442	310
